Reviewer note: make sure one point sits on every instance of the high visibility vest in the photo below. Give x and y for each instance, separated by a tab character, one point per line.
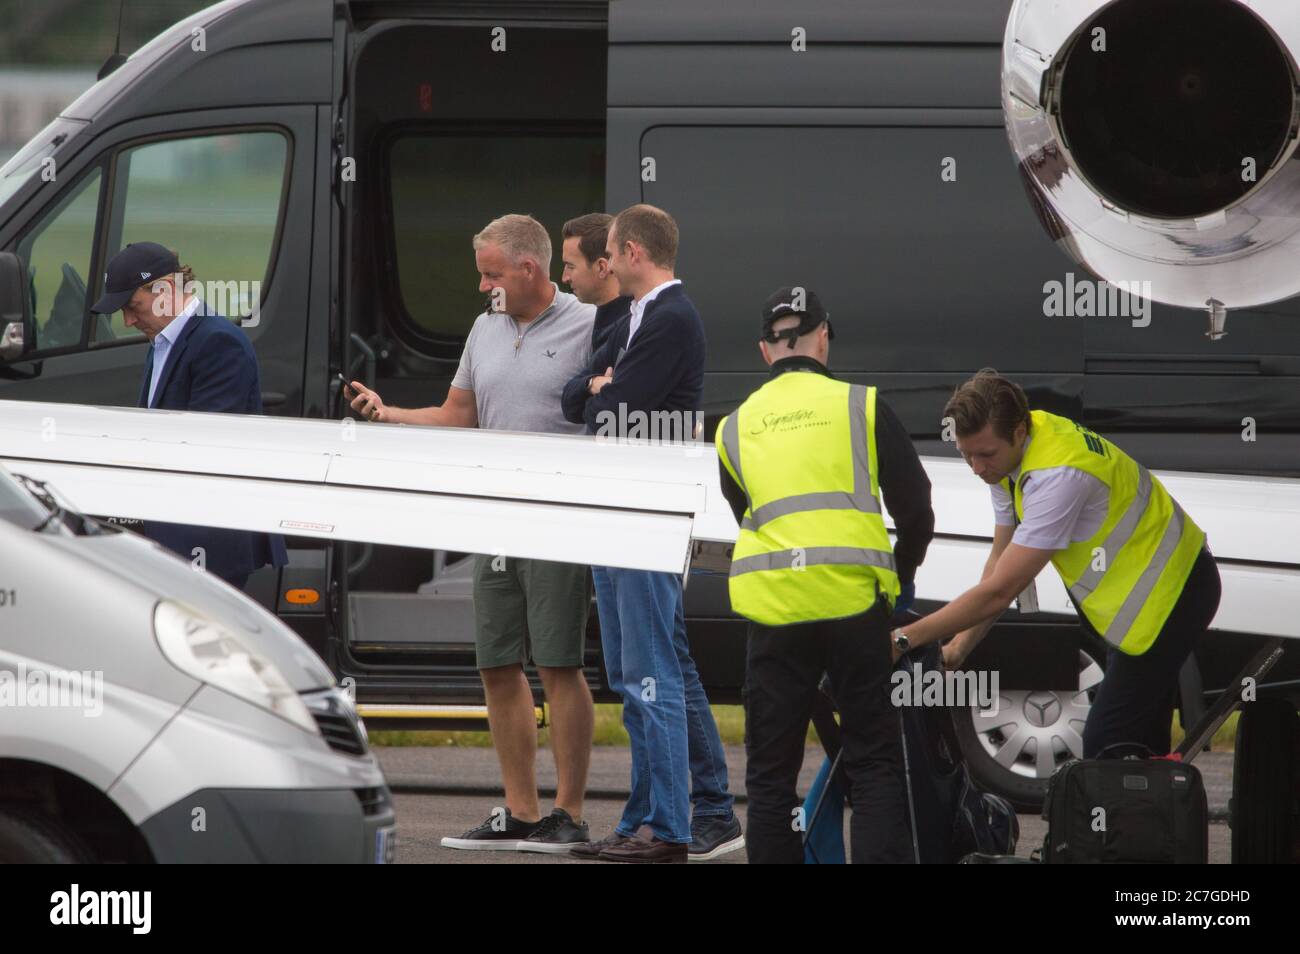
1127	576
812	543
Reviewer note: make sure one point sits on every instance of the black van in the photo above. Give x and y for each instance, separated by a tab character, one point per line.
342	152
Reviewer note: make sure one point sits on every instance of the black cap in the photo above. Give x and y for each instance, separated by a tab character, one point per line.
794	300
140	263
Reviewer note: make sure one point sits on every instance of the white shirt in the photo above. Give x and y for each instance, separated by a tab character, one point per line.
1062	505
638	306
163	341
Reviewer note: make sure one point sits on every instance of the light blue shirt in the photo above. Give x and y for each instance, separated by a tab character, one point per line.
163	341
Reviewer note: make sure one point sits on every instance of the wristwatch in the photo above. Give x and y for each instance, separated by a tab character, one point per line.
901	640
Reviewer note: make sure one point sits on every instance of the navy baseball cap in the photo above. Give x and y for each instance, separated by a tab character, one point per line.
794	300
140	263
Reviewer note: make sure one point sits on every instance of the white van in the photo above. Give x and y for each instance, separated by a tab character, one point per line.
152	713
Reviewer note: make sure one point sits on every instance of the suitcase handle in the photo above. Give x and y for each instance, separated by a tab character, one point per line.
1143	749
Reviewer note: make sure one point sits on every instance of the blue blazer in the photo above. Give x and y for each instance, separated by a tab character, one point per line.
212	368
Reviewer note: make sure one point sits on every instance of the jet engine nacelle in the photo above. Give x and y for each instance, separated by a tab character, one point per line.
1157	141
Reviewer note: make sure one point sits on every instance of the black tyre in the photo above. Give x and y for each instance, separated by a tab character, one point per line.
1034	732
29	838
1266	784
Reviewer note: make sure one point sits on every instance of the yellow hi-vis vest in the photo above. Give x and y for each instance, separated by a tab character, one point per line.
813	543
1128	575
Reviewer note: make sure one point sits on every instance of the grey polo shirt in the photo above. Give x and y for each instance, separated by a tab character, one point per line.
518	371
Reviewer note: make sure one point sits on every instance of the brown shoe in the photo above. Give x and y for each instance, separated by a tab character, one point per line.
590	850
646	849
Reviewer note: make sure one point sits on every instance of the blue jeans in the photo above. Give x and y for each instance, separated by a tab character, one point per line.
678	764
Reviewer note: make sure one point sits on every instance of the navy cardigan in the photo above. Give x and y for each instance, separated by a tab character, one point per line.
662	371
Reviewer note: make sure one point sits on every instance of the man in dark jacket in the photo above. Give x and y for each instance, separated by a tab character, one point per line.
587	272
651	367
197	361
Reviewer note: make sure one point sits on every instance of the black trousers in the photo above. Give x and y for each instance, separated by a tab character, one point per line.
783	669
1135	702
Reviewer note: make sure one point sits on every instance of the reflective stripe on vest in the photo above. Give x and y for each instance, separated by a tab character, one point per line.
813	556
847	560
1118	589
1119	535
861	498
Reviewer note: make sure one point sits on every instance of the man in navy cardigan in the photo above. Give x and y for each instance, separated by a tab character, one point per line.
651	363
197	361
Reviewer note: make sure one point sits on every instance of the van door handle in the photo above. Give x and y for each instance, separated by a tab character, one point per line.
274	399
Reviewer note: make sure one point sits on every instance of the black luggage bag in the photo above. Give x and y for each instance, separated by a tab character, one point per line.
1126	810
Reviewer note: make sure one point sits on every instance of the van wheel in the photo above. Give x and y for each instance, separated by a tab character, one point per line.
1015	752
1266	784
29	838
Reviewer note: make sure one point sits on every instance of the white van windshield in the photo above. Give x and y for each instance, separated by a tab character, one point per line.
17	506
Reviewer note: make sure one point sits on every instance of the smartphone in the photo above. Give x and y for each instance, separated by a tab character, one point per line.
343	381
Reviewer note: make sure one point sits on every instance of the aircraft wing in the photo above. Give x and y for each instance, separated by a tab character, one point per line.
555	497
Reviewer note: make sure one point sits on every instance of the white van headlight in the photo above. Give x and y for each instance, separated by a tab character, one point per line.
201	647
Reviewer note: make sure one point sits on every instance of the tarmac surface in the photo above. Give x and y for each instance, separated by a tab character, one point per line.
447	790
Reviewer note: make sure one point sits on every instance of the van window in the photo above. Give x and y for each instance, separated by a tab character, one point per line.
215	200
444	189
57	252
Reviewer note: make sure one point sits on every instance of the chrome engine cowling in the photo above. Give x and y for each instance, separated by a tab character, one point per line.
1157	141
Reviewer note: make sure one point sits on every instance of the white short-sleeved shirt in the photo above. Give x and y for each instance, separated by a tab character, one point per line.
1063	505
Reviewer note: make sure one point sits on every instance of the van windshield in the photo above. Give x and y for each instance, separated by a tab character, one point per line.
17	506
28	161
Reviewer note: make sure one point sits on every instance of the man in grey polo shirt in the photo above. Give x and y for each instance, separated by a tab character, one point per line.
517	359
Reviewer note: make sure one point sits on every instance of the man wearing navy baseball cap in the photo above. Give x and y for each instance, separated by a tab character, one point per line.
809	464
197	361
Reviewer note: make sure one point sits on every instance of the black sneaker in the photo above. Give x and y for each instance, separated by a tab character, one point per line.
714	835
493	836
556	834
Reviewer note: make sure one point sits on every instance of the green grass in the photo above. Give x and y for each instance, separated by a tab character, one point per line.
731	726
608	731
1224	740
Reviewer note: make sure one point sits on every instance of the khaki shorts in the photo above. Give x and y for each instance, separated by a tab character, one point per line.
529	609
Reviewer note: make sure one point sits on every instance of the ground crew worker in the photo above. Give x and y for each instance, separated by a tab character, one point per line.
804	462
1135	565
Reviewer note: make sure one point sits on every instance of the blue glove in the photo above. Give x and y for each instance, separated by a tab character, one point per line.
905	598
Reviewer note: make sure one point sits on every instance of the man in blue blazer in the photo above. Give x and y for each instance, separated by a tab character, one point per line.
197	361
